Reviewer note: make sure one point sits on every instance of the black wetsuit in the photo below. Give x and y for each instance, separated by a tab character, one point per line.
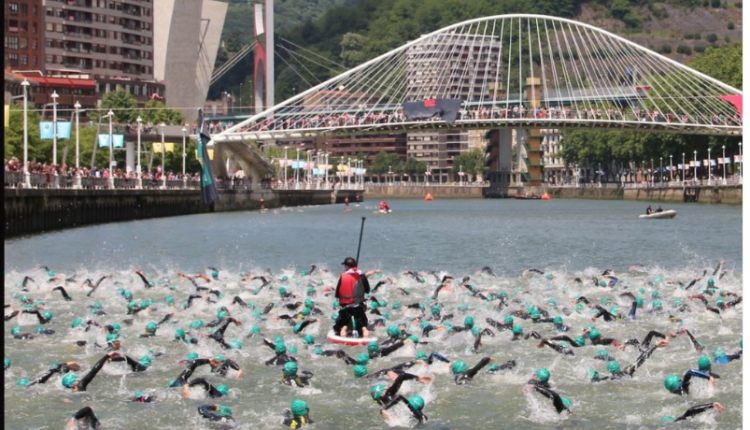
398	369
209	412
295	422
224	367
301	379
210	389
694	410
280	360
60	368
418	415
135	366
465	377
390	393
188	372
86	380
86	417
384	351
684	387
562	349
548	393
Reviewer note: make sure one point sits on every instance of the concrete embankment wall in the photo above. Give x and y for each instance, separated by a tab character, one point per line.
418	192
33	210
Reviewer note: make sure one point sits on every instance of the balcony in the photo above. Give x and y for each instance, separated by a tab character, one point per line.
78	3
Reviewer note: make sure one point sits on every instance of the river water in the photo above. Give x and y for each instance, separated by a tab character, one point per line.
566	239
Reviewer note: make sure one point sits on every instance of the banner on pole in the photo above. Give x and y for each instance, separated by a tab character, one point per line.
7	115
45	130
118	140
63	129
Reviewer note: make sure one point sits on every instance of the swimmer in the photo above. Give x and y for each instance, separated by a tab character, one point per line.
415	403
85	418
216	413
281	357
64	293
213	392
291	376
297	415
695	410
141	397
55	368
72	381
678	386
94	286
462	374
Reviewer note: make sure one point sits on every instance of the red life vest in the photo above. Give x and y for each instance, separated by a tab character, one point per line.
346	292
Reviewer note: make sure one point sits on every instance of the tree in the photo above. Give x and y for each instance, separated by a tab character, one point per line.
121	102
619	9
383	162
156	112
40	150
724	64
472	163
352	49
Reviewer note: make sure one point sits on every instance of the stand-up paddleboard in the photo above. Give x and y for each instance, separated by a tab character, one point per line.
349	341
379	212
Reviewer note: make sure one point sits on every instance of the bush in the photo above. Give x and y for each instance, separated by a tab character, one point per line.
705	3
715	3
699	49
727	39
632	20
738	5
730	26
659	12
684	49
712	38
665	49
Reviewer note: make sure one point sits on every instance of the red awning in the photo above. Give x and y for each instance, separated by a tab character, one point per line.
64	82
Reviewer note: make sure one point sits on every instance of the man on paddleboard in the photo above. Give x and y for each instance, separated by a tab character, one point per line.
351	290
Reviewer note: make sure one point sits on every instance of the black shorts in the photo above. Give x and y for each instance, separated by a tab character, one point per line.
357	312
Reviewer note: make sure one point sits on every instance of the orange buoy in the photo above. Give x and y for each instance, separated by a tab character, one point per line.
545	196
428	197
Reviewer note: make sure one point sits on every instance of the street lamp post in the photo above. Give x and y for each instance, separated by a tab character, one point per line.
138	179
695	167
163	155
111	179
653	179
26	175
184	178
741	161
724	163
661	170
709	166
77	178
671	168
55	184
683	169
296	172
240	96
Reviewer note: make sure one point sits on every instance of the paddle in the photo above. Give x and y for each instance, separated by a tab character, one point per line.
361	230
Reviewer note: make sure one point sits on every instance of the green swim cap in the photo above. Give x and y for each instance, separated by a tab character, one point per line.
196	324
476	330
435	309
667	419
128	295
374	305
373	346
557	320
236	344
224	411
112	338
393	331
534	313
614	310
654	294
151	327
414	339
299	408
310	291
179	334
395	305
657	304
309	303
7	363
639	302
116	327
169	300
69	379
566	402
23	382
292	349
290	368
579	307
77	322
710	282
416	402
542	374
145	361
318	350
458	367
360	371
334	316
594	334
220	358
672	382
719	353
642	290
282	291
548	276
517	330
222	315
602	284
363	358
704	364
284	278
192	356
469	322
254	329
377	391
421	356
509	320
605	300
306	311
280	348
602	353
47	315
594	374
309	339
613	367
336	303
551	302
580	341
138	394
503	294
463	307
677	302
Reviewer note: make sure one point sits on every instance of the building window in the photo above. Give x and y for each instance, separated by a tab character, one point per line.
11	42
34	28
24	9
33	45
24	43
12	8
24	60
13	59
33	61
